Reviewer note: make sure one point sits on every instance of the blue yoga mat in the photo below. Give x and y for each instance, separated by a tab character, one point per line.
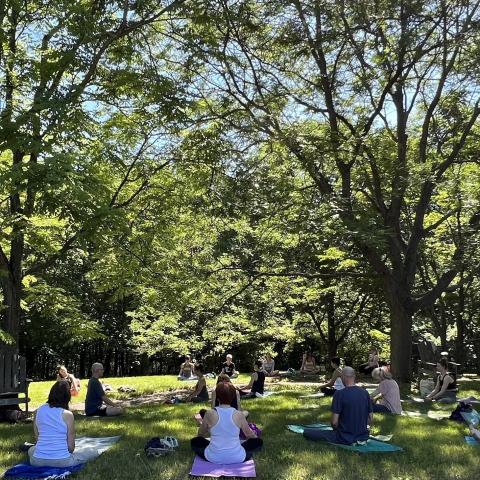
471	440
472	418
372	445
25	470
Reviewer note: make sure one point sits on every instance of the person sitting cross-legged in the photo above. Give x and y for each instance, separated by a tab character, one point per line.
446	387
54	429
200	392
373	359
256	384
269	366
309	364
386	397
63	374
335	383
228	367
96	402
223	424
351	414
186	369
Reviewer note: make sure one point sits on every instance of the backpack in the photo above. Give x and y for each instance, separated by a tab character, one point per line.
456	415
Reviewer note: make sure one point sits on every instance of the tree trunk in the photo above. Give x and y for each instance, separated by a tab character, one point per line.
331	326
460	321
400	339
12	293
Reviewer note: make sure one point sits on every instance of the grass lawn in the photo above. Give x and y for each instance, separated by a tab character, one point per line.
433	449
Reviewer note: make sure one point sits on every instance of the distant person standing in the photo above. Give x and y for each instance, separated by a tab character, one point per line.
97	403
228	367
351	414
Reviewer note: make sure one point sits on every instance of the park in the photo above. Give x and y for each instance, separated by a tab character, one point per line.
293	183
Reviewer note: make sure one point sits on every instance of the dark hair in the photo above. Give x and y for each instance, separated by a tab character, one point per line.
59	395
199	367
223	377
225	393
259	364
336	361
444	363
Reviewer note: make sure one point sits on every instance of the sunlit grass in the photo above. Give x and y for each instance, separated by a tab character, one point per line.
433	449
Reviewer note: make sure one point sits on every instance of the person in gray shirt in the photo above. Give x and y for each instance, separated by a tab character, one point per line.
96	402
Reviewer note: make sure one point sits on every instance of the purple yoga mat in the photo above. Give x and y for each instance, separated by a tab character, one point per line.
201	468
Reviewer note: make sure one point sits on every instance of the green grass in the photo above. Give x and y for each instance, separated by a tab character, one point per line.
433	449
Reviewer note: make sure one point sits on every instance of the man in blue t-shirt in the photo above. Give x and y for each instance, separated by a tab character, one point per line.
96	402
351	414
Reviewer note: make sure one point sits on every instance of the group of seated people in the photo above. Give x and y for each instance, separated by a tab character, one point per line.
219	438
54	426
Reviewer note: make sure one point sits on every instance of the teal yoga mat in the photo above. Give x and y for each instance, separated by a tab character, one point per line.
471	440
372	445
472	418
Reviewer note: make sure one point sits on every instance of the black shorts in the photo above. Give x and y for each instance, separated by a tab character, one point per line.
99	412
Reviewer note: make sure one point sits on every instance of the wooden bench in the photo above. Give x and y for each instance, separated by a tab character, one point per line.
13	378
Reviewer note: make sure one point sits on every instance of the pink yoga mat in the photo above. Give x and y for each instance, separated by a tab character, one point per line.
201	468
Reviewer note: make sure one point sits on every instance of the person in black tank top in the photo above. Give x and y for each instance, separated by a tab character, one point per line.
446	387
257	382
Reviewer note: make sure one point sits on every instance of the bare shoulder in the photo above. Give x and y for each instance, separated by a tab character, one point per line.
67	414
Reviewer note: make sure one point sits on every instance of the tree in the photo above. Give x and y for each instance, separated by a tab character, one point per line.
60	62
377	101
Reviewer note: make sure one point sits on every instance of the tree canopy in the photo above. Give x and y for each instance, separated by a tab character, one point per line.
209	175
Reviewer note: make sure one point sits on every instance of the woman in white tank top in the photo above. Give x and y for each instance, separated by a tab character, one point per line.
223	425
54	430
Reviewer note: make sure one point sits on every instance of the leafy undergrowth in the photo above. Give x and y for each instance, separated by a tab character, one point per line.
433	449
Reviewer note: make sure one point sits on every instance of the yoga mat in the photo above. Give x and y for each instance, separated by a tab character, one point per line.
264	395
201	468
433	414
324	426
94	444
25	470
472	418
471	440
313	395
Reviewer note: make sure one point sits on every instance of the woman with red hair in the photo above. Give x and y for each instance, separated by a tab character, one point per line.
223	424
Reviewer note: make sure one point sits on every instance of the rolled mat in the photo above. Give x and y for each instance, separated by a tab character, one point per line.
374	444
202	468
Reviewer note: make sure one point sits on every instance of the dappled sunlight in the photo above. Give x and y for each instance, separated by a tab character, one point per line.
433	449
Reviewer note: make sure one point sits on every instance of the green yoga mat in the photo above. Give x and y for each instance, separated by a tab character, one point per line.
372	445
